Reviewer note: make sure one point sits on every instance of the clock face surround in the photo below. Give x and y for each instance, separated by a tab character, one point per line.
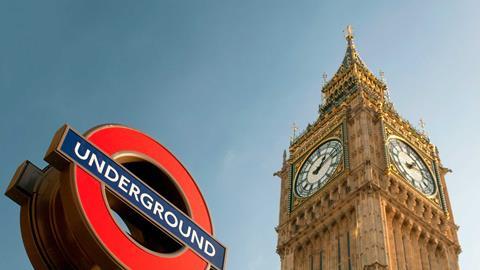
411	166
318	168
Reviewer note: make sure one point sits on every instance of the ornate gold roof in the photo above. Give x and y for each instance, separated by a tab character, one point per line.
353	76
351	73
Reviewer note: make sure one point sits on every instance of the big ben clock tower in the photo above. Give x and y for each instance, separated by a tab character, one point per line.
361	187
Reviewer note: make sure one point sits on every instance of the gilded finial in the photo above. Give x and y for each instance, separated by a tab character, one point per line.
384	81
294	131
382	76
324	76
421	123
349	35
349	32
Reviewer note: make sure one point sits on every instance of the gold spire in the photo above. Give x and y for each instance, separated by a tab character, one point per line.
352	65
351	55
350	59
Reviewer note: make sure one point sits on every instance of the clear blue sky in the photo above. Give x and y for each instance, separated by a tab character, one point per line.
220	82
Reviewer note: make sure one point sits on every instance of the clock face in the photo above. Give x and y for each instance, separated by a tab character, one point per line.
411	166
318	168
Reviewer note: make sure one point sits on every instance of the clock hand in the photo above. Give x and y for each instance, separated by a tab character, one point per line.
315	172
416	168
411	165
324	159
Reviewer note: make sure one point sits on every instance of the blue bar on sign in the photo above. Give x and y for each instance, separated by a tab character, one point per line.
138	194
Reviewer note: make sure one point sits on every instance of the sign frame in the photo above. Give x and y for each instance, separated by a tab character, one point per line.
59	159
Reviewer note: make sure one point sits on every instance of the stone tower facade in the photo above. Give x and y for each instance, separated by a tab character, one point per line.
361	187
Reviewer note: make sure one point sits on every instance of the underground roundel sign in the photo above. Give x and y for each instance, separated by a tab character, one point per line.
134	200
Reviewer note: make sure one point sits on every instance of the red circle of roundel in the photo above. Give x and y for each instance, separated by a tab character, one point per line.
115	139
